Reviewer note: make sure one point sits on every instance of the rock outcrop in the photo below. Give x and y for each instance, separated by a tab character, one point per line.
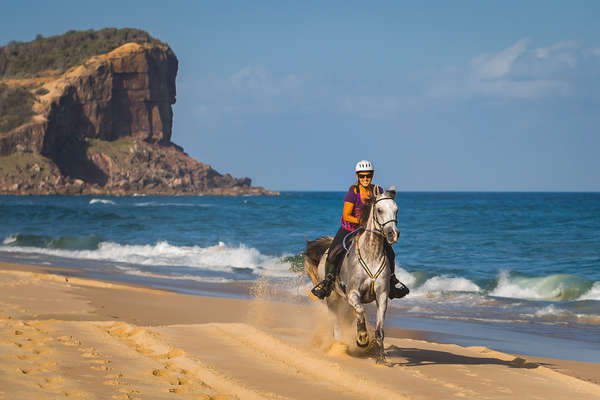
104	127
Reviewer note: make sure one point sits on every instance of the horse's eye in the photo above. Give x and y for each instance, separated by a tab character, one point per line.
379	211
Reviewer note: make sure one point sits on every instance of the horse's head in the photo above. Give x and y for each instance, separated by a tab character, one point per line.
385	215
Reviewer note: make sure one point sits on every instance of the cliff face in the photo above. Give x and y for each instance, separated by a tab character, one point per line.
104	127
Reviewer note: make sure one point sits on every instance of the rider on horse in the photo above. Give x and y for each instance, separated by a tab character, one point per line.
354	200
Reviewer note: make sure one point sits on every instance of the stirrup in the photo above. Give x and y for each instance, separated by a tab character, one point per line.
398	292
323	288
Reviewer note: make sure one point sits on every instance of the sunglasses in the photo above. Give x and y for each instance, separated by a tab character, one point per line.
361	176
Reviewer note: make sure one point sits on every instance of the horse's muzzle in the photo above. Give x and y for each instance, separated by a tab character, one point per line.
391	235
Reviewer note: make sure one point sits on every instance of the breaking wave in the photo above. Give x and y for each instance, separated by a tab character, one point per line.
42	242
593	293
557	287
248	261
217	258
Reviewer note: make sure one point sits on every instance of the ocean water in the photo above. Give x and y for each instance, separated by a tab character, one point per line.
515	267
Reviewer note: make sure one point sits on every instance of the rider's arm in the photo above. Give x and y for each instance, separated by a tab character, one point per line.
347	213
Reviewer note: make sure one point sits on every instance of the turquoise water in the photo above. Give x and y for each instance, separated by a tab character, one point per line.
522	262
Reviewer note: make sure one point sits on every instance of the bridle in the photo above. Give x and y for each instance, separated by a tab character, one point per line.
378	231
376	221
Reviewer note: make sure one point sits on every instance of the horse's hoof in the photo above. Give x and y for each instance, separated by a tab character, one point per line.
362	342
382	361
362	338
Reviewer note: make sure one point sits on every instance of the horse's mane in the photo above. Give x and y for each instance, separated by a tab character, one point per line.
365	210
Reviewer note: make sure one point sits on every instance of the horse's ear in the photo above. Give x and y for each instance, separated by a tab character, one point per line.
392	191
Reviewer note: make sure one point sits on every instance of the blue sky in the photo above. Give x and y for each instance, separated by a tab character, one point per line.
462	95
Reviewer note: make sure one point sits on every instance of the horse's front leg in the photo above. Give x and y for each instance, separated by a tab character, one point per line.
382	303
362	336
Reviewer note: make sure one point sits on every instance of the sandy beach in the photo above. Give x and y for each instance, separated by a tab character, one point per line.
62	336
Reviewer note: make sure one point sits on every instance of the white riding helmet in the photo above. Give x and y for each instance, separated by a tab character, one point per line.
364	166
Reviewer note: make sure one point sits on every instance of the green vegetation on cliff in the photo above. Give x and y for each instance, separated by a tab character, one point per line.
111	148
15	107
27	167
25	60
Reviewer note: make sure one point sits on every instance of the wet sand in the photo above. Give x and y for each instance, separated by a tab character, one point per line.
70	337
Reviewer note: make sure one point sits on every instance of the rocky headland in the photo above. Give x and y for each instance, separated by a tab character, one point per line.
97	121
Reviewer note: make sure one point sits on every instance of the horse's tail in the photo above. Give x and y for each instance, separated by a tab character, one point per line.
314	251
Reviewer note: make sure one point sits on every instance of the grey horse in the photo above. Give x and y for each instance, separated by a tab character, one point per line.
364	274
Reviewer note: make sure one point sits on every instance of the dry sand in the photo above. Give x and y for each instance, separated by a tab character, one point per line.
84	339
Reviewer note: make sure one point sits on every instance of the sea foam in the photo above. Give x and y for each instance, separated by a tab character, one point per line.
593	293
449	284
554	313
102	201
9	240
443	284
218	258
170	204
550	311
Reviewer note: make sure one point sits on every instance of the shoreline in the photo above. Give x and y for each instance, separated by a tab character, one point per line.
514	336
132	340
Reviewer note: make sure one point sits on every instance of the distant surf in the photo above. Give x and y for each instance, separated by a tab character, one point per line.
217	258
241	258
102	201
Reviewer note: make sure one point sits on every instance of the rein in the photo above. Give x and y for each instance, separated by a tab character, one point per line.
354	232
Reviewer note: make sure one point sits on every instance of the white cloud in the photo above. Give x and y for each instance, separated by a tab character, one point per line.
498	65
564	52
518	71
545	52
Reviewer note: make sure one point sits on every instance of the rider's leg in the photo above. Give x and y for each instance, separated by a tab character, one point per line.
391	256
396	292
336	252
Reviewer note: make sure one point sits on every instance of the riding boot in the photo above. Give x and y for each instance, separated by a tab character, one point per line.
400	291
397	292
323	288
